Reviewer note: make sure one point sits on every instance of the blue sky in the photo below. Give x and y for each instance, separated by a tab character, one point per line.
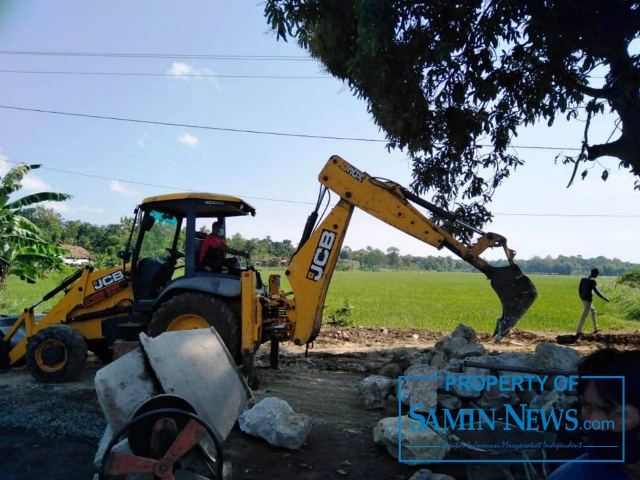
243	164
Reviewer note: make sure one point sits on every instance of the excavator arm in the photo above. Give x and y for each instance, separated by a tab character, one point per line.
313	264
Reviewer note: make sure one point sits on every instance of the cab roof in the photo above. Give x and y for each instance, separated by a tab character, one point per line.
206	204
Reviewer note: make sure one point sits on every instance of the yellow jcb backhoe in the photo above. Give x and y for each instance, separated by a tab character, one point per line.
175	291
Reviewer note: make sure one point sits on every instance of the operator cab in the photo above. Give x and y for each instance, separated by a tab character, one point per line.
164	245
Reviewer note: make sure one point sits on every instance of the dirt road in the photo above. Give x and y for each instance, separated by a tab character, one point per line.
51	431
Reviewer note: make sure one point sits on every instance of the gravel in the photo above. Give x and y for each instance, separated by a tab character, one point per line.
51	411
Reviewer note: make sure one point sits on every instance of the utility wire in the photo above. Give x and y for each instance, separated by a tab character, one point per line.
239	130
594	215
145	184
190	125
169	187
143	74
285	58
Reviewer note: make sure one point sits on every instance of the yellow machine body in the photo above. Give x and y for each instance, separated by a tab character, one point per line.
96	294
260	313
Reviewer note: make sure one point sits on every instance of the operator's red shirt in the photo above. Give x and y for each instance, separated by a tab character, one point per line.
211	241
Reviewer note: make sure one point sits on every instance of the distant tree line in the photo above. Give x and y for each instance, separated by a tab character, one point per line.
375	259
105	241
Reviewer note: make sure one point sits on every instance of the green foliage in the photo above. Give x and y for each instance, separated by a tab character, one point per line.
24	250
17	294
375	260
631	278
341	316
443	78
625	300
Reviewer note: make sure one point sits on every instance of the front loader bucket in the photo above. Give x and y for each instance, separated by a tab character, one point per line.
516	292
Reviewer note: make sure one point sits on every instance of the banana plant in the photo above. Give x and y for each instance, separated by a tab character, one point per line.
23	250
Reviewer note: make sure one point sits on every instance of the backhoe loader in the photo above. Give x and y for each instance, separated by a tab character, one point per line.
162	286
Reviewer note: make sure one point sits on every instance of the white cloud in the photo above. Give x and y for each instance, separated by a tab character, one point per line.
4	167
188	139
60	207
33	183
180	69
184	71
120	189
89	209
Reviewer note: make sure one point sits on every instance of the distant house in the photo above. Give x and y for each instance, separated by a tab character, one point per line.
76	256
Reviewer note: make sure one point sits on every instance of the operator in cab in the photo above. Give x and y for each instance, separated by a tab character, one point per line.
213	250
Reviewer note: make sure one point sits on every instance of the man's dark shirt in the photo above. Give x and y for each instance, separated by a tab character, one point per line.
587	286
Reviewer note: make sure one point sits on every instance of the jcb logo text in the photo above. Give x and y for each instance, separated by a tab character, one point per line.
107	280
321	257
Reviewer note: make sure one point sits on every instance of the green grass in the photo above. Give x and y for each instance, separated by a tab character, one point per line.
430	300
440	300
19	294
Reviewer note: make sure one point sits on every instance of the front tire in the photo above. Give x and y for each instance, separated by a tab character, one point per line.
191	310
56	353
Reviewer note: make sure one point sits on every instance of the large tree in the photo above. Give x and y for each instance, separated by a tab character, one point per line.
444	77
23	249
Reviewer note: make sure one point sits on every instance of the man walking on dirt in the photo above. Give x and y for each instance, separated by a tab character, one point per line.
587	286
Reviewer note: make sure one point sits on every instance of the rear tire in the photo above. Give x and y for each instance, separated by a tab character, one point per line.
213	310
56	353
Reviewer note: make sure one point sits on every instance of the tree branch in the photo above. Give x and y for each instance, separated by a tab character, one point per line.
593	92
619	149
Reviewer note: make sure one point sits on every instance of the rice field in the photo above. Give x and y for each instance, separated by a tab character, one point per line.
431	300
440	300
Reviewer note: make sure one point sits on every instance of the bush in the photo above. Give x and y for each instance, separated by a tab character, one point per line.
341	316
631	277
625	299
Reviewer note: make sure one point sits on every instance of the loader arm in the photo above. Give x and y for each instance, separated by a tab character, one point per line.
312	266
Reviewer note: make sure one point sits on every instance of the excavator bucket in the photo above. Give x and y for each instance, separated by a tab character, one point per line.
516	292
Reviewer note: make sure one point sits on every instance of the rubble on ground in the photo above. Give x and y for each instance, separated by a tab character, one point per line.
374	390
426	474
553	356
386	433
273	420
450	356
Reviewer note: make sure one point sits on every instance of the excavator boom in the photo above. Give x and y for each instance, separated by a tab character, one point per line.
312	266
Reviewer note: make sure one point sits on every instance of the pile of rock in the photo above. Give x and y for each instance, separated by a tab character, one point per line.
449	357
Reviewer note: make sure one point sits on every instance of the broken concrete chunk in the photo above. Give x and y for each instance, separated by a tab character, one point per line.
521	361
494	398
465	332
556	357
374	390
465	393
422	390
426	474
475	371
196	366
439	360
392	370
386	433
470	350
402	357
450	345
454	365
449	401
273	420
122	386
462	342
